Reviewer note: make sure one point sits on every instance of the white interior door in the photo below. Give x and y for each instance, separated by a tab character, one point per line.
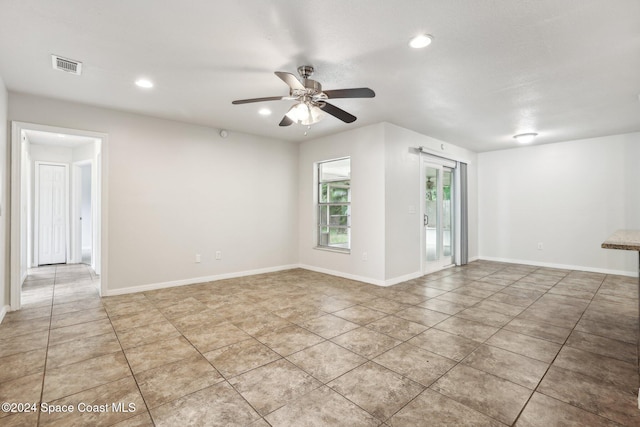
52	236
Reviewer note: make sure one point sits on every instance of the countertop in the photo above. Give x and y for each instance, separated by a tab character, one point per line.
623	239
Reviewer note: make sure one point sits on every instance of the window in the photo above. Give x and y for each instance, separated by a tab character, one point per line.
334	204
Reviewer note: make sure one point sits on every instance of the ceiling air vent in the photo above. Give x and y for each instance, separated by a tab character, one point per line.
66	64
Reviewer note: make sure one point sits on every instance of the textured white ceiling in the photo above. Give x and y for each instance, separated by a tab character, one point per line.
567	69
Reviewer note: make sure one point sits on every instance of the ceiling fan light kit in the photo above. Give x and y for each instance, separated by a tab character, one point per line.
305	113
311	106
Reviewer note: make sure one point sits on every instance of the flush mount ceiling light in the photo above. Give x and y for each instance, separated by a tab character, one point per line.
423	40
144	83
264	112
525	138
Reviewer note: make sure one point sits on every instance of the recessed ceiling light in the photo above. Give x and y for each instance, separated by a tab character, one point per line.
60	135
525	138
144	83
423	40
264	112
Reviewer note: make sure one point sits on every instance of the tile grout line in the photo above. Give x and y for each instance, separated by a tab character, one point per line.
482	343
361	303
48	342
462	360
556	356
440	376
200	353
130	369
103	307
46	353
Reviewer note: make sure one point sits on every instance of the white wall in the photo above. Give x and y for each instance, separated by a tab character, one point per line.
385	180
365	146
569	196
176	189
403	229
4	204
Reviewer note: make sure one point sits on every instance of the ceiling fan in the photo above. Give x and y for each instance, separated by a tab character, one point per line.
312	101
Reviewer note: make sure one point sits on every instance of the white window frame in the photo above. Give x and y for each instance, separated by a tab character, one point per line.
320	205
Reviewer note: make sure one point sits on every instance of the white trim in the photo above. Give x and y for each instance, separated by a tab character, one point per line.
102	242
455	238
195	280
561	266
344	275
76	197
400	279
456	235
332	249
383	283
3	310
204	279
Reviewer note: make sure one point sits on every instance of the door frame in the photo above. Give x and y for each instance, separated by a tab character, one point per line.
99	172
440	163
76	224
75	213
36	213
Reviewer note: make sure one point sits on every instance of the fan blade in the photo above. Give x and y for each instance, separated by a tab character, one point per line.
338	113
286	121
269	98
290	80
361	92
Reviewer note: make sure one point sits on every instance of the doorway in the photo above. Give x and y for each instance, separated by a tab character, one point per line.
51	169
51	213
84	208
438	214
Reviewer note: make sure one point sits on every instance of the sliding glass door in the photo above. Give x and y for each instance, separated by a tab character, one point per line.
438	215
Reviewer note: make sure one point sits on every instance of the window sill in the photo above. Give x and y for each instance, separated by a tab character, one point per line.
338	250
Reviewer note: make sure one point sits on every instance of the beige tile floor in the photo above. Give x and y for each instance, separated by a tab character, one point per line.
485	344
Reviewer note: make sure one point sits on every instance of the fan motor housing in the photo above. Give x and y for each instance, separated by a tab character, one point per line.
311	88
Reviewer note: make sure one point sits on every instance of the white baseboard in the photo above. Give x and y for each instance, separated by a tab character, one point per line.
561	266
371	281
377	282
400	279
343	275
195	280
3	312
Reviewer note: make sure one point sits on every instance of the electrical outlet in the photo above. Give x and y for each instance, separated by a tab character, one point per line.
218	255
198	258
365	256
540	246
